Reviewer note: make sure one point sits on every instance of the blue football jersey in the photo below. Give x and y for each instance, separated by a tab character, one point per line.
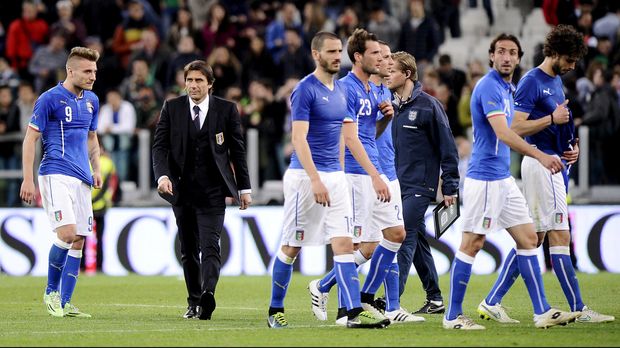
64	121
538	94
490	158
325	111
385	145
362	108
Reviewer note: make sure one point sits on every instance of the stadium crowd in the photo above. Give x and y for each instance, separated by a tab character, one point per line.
258	51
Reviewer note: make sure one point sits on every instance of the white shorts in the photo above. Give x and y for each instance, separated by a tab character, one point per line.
307	222
67	201
489	206
370	215
546	196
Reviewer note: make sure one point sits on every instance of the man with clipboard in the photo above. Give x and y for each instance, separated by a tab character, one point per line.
423	144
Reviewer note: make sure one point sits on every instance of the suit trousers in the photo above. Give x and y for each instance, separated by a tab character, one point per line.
415	248
199	233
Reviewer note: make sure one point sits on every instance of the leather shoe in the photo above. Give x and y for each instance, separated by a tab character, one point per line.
207	304
192	312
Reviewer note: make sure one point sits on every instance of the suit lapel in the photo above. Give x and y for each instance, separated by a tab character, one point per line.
184	122
210	118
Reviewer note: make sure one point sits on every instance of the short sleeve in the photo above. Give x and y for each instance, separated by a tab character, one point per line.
526	95
301	101
41	112
492	101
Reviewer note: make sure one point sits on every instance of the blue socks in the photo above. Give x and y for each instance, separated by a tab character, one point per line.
507	277
348	281
391	285
459	278
57	260
564	270
530	271
70	275
382	258
280	279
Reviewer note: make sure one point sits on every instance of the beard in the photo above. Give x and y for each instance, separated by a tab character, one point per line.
557	69
328	67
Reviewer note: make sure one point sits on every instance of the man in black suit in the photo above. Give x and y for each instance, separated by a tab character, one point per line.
199	160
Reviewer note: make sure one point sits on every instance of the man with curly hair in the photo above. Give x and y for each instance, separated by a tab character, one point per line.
543	118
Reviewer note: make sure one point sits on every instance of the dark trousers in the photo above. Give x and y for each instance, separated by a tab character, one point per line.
415	248
199	233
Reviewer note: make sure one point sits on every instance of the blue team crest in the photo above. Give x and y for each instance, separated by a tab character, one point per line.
413	114
90	106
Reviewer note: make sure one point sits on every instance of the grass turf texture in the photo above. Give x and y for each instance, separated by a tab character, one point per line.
146	311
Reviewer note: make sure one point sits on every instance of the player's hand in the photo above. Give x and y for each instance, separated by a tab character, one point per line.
381	188
165	186
553	163
27	191
571	156
97	181
386	109
321	195
246	200
449	200
561	115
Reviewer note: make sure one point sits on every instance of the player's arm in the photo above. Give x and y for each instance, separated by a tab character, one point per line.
299	133
27	191
352	141
93	157
512	139
388	114
524	127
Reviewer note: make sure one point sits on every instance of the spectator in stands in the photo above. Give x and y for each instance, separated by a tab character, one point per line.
25	101
226	69
218	30
488	9
296	61
386	27
186	52
110	74
74	28
127	35
419	35
151	51
602	117
315	20
450	106
183	26
139	77
288	17
48	63
9	124
147	110
454	78
560	12
430	81
8	76
199	9
257	63
24	36
609	25
446	14
464	110
346	23
117	124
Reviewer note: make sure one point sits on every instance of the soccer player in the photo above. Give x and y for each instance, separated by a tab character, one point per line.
65	117
424	144
317	209
542	116
491	198
377	221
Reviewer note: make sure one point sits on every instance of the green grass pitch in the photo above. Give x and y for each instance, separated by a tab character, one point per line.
146	311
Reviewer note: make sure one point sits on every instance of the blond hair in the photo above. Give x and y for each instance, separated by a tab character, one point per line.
406	62
84	53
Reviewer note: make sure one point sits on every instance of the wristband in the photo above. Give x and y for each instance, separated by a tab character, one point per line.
551	114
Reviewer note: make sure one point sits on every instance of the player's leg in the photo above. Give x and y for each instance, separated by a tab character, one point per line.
280	279
393	310
490	307
460	273
81	194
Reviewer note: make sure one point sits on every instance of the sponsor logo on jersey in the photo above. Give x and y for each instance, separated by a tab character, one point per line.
547	91
89	106
326	99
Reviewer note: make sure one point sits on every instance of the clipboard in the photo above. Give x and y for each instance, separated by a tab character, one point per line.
444	217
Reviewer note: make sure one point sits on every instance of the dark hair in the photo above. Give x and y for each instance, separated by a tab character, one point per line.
503	37
564	40
445	59
357	42
202	67
383	43
320	37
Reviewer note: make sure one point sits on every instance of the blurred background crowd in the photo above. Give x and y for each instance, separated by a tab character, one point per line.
260	49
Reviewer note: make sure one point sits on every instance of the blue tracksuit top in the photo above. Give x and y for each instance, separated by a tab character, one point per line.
423	144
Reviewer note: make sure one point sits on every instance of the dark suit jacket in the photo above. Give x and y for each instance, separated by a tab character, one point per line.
225	137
